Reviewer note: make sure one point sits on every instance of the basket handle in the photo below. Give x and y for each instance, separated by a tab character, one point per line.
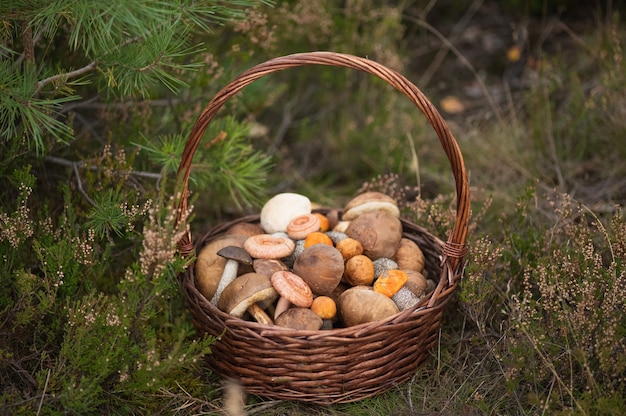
454	249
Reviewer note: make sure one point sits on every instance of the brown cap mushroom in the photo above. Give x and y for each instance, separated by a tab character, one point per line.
209	266
360	304
268	266
267	246
245	228
369	201
321	267
378	231
299	318
234	256
409	256
416	282
245	291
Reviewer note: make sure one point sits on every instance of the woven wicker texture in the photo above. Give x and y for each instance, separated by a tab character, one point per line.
344	364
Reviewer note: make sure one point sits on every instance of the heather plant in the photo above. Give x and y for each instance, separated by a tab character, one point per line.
567	321
92	316
85	344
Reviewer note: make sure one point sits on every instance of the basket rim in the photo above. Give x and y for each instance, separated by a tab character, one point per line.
454	249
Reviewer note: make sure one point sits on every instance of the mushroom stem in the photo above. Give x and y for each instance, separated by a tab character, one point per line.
281	306
259	314
228	275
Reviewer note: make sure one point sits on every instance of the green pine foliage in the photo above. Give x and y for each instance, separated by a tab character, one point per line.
92	315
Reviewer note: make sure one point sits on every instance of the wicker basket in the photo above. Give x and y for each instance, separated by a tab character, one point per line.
344	364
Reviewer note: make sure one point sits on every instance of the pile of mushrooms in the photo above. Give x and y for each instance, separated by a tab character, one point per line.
304	270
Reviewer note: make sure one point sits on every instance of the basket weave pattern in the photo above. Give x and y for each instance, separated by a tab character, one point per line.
344	364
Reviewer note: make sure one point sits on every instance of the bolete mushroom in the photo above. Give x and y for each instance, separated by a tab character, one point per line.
416	282
378	231
279	210
369	201
245	228
234	256
210	267
409	256
243	293
268	266
321	267
299	318
360	304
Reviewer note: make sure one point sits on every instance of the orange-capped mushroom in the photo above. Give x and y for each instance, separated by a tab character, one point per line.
317	237
349	247
325	307
359	270
324	221
390	282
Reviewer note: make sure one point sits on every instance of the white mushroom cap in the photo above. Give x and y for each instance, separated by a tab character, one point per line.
279	210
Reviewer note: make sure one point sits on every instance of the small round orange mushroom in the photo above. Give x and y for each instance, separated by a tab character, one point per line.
324	221
359	270
349	247
325	307
390	282
317	237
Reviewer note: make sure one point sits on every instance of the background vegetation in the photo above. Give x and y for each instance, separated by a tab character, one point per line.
95	105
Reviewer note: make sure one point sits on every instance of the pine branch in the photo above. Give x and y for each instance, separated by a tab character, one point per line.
29	45
65	76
